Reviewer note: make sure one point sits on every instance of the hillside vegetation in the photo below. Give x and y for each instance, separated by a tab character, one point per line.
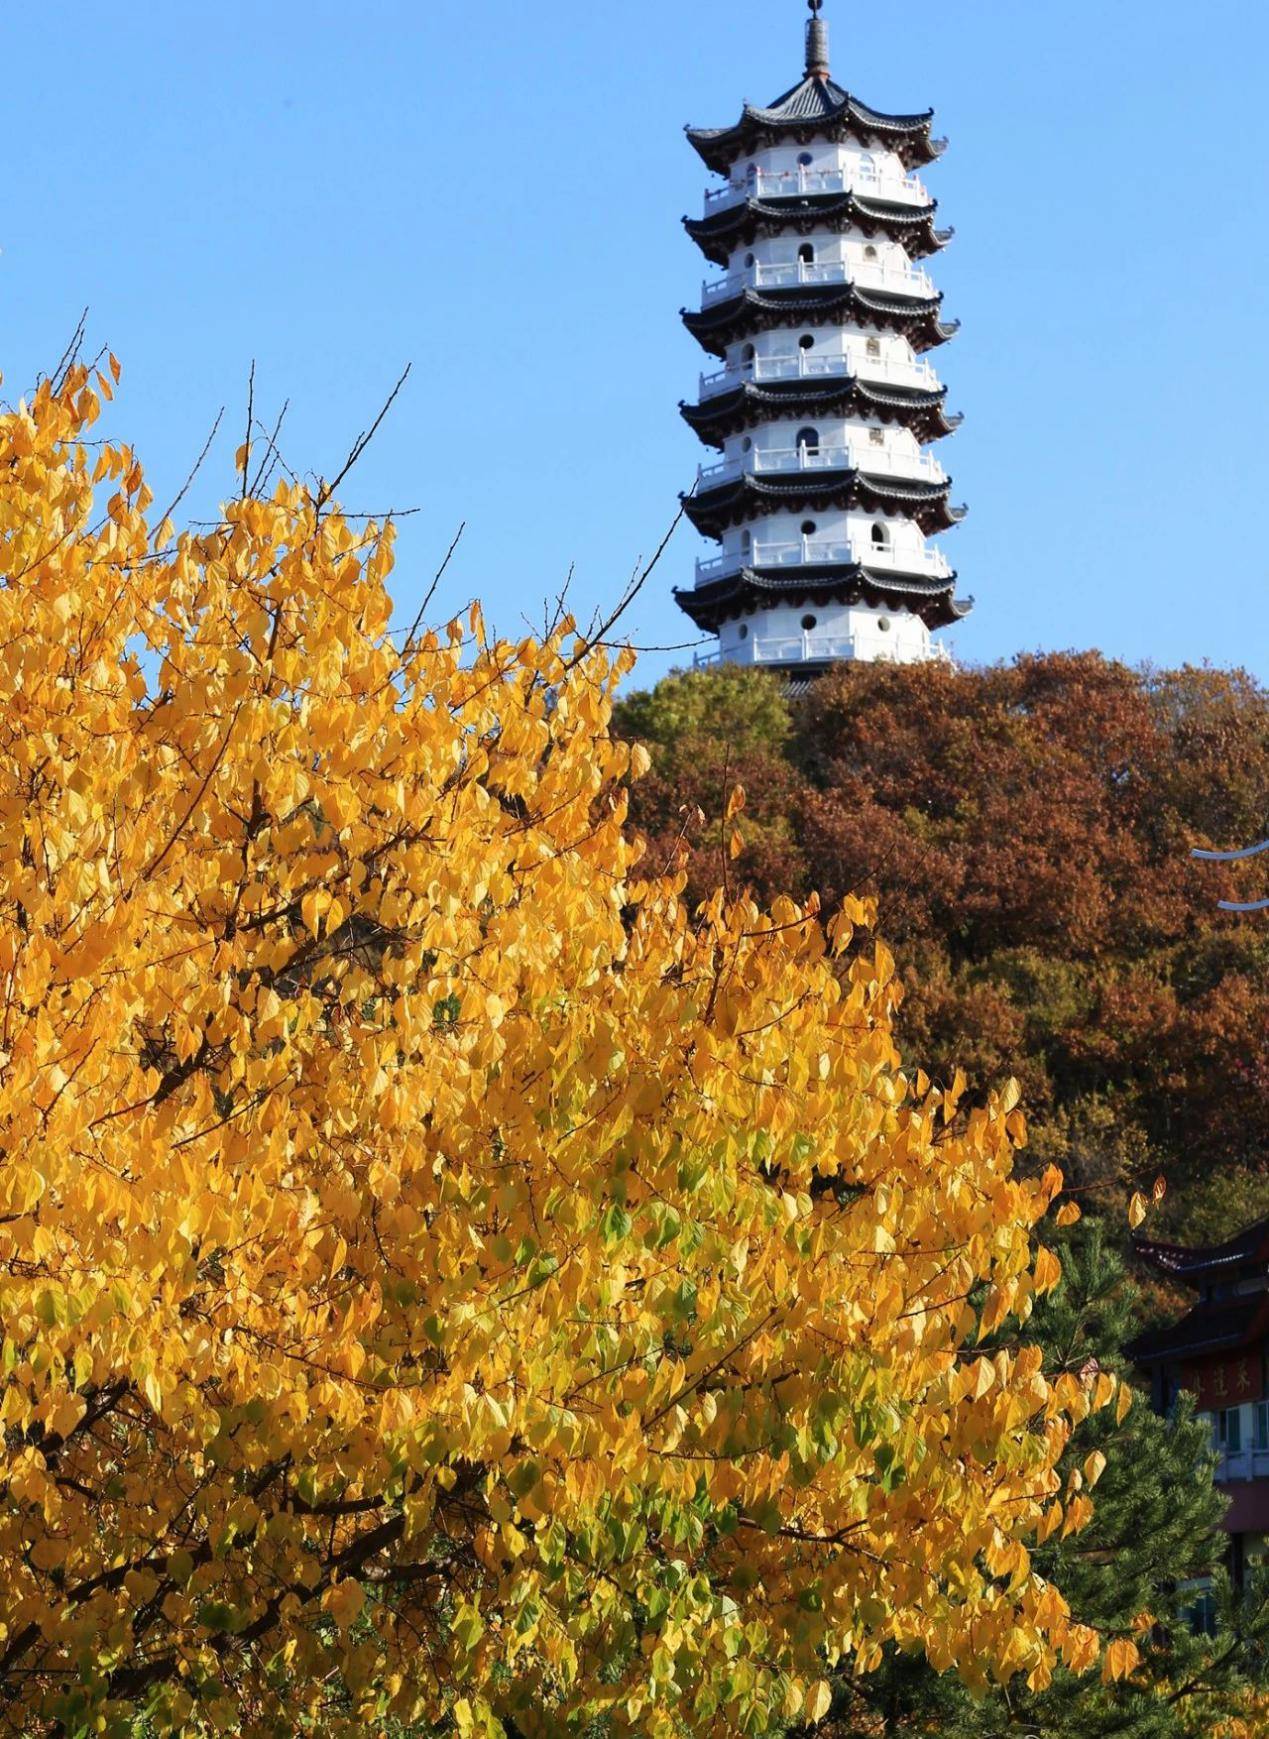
1027	832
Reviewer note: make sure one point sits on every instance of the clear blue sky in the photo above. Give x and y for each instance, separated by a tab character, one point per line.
492	192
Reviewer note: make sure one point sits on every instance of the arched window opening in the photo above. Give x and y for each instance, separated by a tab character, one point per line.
746	542
877	437
874	349
870	252
747	354
743	632
808	441
751	260
880	536
746	446
806	253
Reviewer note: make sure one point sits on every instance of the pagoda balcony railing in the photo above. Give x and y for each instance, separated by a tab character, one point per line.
823	552
867	274
808	648
808	365
847	456
795	183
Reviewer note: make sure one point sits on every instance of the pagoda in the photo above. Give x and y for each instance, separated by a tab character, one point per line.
824	498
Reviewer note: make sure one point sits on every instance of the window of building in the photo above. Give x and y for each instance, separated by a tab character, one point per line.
805	159
746	446
870	252
748	353
746	542
806	253
806	342
809	528
809	440
1260	1427
880	536
884	624
809	622
1229	1430
874	347
743	631
750	259
877	437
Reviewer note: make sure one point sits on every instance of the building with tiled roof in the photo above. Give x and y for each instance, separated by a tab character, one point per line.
823	497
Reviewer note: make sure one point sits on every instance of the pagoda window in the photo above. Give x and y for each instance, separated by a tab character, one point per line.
743	632
809	528
750	259
809	622
806	253
870	252
806	342
805	159
746	543
874	348
748	354
880	537
877	437
808	440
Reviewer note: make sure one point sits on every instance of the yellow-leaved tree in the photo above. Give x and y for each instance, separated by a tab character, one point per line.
446	1284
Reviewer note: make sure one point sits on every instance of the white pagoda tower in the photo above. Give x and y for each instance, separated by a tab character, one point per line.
824	498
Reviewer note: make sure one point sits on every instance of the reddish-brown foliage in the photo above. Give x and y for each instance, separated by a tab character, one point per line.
1027	830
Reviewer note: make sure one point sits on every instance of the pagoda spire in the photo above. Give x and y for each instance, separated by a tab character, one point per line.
817	65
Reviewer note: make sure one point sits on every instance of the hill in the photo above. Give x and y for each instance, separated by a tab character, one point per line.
1026	830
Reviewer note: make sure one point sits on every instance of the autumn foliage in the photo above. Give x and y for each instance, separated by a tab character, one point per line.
1026	832
445	1279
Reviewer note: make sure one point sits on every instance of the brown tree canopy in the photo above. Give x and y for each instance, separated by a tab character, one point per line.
1027	830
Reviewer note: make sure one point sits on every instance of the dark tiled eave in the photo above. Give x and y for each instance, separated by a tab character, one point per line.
1249	1251
747	497
1208	1328
749	404
804	214
736	594
817	107
917	317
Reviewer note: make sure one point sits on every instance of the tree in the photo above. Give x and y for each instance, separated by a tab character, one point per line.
1134	1575
1026	832
444	1281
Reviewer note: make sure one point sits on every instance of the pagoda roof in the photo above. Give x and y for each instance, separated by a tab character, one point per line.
817	107
745	406
741	224
748	497
1247	1253
848	583
1207	1328
918	318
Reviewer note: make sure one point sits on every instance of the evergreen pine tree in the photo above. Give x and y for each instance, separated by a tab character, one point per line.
1155	1545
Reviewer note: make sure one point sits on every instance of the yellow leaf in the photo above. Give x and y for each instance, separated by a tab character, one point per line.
1136	1211
1122	1658
819	1701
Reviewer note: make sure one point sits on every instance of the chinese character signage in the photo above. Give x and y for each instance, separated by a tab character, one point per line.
1224	1382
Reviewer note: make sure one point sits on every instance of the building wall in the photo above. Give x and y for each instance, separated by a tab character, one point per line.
777	635
854	341
903	537
833	431
777	159
855	248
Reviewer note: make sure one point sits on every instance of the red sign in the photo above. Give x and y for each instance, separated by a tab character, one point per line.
1224	1382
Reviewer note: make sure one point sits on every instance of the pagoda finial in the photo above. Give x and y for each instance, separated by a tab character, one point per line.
816	42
